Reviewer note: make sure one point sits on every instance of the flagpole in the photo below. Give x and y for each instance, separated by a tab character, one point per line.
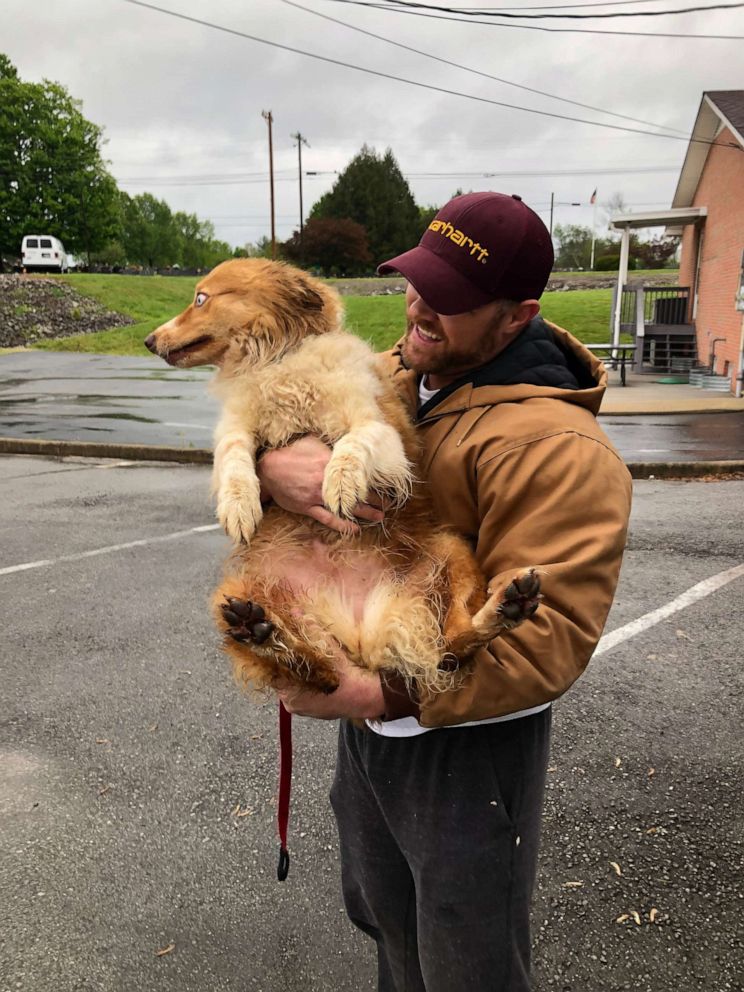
594	228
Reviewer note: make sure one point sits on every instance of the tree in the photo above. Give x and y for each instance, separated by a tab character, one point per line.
372	191
52	175
655	254
426	216
614	205
149	235
574	246
336	247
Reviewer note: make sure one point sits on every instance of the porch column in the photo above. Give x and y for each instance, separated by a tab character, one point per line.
622	277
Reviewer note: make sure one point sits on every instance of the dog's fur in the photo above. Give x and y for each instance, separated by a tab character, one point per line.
404	596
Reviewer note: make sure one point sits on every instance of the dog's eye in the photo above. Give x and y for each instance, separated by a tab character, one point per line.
201	299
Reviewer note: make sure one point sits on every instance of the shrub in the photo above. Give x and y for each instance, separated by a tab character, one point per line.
611	263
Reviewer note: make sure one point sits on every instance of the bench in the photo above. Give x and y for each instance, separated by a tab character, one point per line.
618	354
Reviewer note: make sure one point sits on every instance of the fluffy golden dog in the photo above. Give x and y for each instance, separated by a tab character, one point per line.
405	596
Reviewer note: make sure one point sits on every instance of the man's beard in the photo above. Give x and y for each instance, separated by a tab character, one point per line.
432	363
449	361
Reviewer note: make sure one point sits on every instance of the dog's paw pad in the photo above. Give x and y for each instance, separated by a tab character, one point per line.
521	598
246	621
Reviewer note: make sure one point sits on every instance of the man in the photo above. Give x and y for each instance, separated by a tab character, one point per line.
438	802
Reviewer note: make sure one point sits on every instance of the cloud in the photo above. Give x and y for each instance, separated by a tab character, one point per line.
177	99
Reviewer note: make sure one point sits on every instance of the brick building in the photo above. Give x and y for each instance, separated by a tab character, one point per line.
700	321
712	179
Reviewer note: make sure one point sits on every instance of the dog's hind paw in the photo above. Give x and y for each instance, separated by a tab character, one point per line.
246	621
521	598
508	609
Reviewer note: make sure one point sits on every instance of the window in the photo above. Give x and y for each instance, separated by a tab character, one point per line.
46	243
32	242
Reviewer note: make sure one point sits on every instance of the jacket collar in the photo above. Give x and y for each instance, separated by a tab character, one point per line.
544	360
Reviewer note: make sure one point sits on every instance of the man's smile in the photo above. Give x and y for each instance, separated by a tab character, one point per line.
423	335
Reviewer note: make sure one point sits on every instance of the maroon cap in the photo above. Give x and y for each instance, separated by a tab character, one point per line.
479	247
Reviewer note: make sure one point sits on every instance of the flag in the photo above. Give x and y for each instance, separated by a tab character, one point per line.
593	199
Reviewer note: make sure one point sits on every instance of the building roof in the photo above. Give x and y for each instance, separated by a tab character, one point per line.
659	218
718	109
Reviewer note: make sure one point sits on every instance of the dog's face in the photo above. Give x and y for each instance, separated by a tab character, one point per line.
246	312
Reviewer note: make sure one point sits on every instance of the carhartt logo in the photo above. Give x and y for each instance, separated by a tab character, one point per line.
448	231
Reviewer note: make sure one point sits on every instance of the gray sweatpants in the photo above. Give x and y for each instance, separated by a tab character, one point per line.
439	839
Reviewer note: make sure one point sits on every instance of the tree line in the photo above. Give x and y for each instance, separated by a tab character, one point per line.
54	180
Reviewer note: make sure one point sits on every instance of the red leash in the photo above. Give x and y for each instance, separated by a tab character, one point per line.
285	784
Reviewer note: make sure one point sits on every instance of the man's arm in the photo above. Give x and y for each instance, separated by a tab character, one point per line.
293	478
562	505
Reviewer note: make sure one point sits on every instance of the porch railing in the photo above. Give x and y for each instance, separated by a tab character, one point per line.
666	305
658	319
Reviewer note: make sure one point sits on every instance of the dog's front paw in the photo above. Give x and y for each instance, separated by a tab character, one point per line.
345	484
246	621
239	509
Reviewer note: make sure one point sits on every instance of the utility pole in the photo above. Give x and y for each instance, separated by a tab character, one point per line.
268	117
552	197
300	142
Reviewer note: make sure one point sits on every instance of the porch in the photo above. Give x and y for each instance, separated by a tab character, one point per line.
659	319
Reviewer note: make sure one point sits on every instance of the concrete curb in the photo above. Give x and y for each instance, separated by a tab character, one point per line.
684	470
97	449
203	456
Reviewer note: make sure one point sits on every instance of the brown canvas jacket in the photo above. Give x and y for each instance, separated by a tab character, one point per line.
526	474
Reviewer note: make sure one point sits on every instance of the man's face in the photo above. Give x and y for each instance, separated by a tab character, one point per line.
447	347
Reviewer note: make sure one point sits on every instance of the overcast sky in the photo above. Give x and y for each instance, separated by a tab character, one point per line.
181	103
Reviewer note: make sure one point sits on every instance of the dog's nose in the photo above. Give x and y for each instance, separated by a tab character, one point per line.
150	343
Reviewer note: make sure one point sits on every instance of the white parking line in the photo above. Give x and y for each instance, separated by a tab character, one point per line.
692	595
196	427
108	549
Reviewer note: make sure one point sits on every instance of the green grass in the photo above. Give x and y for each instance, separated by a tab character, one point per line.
150	300
378	319
671	276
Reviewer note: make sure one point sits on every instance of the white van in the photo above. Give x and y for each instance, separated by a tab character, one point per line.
43	252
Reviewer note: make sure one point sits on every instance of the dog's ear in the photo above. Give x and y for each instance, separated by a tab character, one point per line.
309	299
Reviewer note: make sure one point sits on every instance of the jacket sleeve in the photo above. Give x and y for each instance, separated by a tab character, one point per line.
560	504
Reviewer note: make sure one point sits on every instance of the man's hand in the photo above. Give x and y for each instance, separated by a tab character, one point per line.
293	478
358	697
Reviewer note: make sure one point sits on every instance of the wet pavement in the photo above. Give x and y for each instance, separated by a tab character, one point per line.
111	399
105	398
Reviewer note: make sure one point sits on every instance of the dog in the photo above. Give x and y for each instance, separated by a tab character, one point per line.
405	596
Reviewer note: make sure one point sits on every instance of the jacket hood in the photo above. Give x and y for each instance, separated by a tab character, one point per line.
543	360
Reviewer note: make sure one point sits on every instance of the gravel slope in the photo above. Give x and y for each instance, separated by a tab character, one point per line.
33	308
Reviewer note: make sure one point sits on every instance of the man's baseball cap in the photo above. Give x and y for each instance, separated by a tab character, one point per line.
479	247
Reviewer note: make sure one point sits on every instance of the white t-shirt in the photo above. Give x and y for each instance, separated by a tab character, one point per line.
408	726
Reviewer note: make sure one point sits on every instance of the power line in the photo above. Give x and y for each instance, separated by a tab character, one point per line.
562	6
237	179
476	72
537	27
411	82
221	181
493	12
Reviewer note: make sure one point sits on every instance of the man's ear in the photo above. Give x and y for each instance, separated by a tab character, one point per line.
524	312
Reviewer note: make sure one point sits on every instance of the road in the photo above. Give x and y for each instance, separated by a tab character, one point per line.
141	401
137	784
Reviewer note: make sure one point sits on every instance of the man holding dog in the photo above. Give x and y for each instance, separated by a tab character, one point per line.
439	801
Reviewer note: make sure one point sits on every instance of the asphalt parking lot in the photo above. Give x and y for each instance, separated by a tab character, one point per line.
137	785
